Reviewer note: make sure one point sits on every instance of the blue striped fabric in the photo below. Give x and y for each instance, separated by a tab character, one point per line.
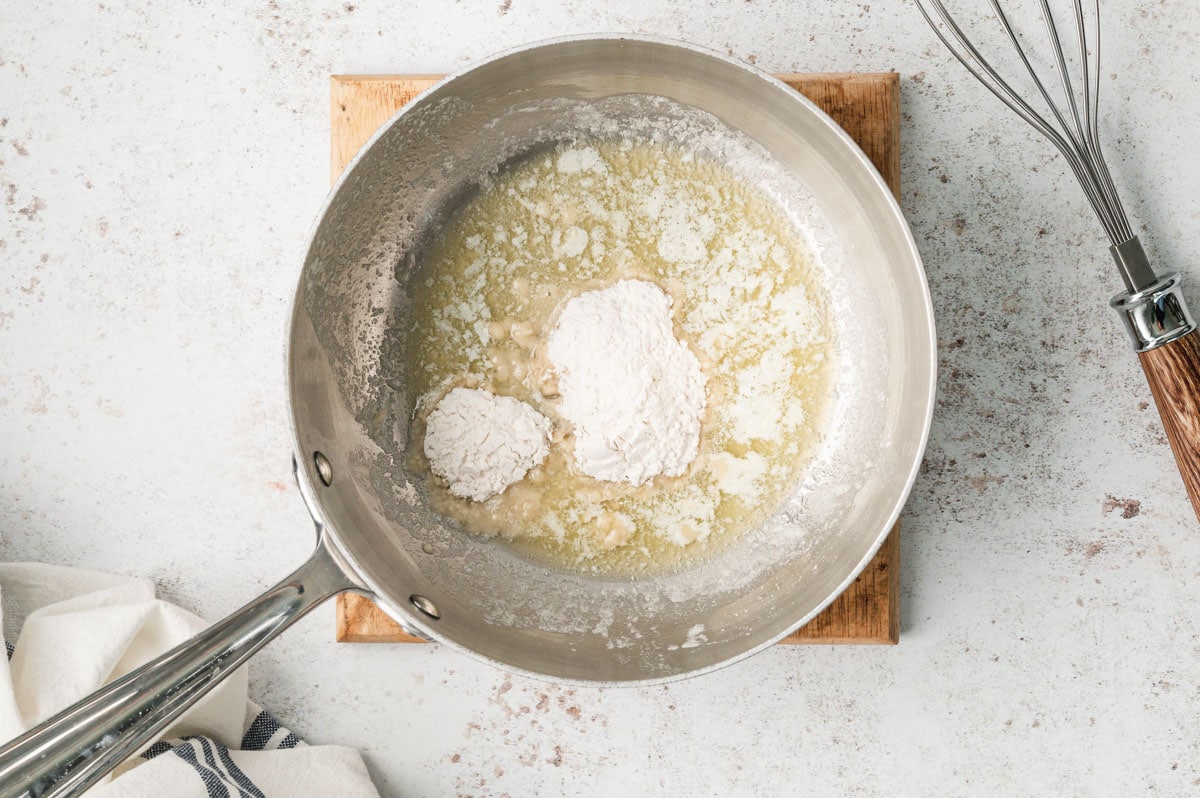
243	782
259	733
221	776
214	783
160	747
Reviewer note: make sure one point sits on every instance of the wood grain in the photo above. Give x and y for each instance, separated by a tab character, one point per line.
1173	371
867	106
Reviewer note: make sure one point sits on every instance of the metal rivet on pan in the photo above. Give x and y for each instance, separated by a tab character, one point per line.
425	605
324	469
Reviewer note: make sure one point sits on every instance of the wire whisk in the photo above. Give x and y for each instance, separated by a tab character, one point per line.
1072	124
1152	309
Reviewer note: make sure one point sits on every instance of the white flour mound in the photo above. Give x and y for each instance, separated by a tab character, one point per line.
481	443
631	389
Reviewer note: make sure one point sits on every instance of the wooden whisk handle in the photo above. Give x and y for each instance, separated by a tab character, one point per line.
1173	371
1168	345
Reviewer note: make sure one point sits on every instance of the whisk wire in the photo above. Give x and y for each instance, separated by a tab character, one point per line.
1072	128
1092	106
1068	136
1082	40
1076	134
1064	76
983	71
1089	127
1086	127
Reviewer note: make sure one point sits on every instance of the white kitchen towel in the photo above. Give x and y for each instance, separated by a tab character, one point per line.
70	631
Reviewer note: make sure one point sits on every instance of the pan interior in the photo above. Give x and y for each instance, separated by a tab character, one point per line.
350	397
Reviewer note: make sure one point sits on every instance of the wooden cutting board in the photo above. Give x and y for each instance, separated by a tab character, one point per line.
867	106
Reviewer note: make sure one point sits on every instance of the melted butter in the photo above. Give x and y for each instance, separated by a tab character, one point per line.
747	301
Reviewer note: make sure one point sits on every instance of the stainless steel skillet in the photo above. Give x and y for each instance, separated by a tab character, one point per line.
349	400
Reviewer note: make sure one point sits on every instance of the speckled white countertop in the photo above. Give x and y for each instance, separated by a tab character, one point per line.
160	169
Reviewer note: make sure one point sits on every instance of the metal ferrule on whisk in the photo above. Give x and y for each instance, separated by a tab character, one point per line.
1152	308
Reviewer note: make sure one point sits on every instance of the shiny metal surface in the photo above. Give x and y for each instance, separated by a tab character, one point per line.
324	469
74	749
349	396
425	606
1156	315
1133	264
376	533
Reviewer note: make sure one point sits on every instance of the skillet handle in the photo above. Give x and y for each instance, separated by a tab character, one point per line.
80	745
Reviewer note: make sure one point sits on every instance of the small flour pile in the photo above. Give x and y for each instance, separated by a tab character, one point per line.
481	443
633	392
